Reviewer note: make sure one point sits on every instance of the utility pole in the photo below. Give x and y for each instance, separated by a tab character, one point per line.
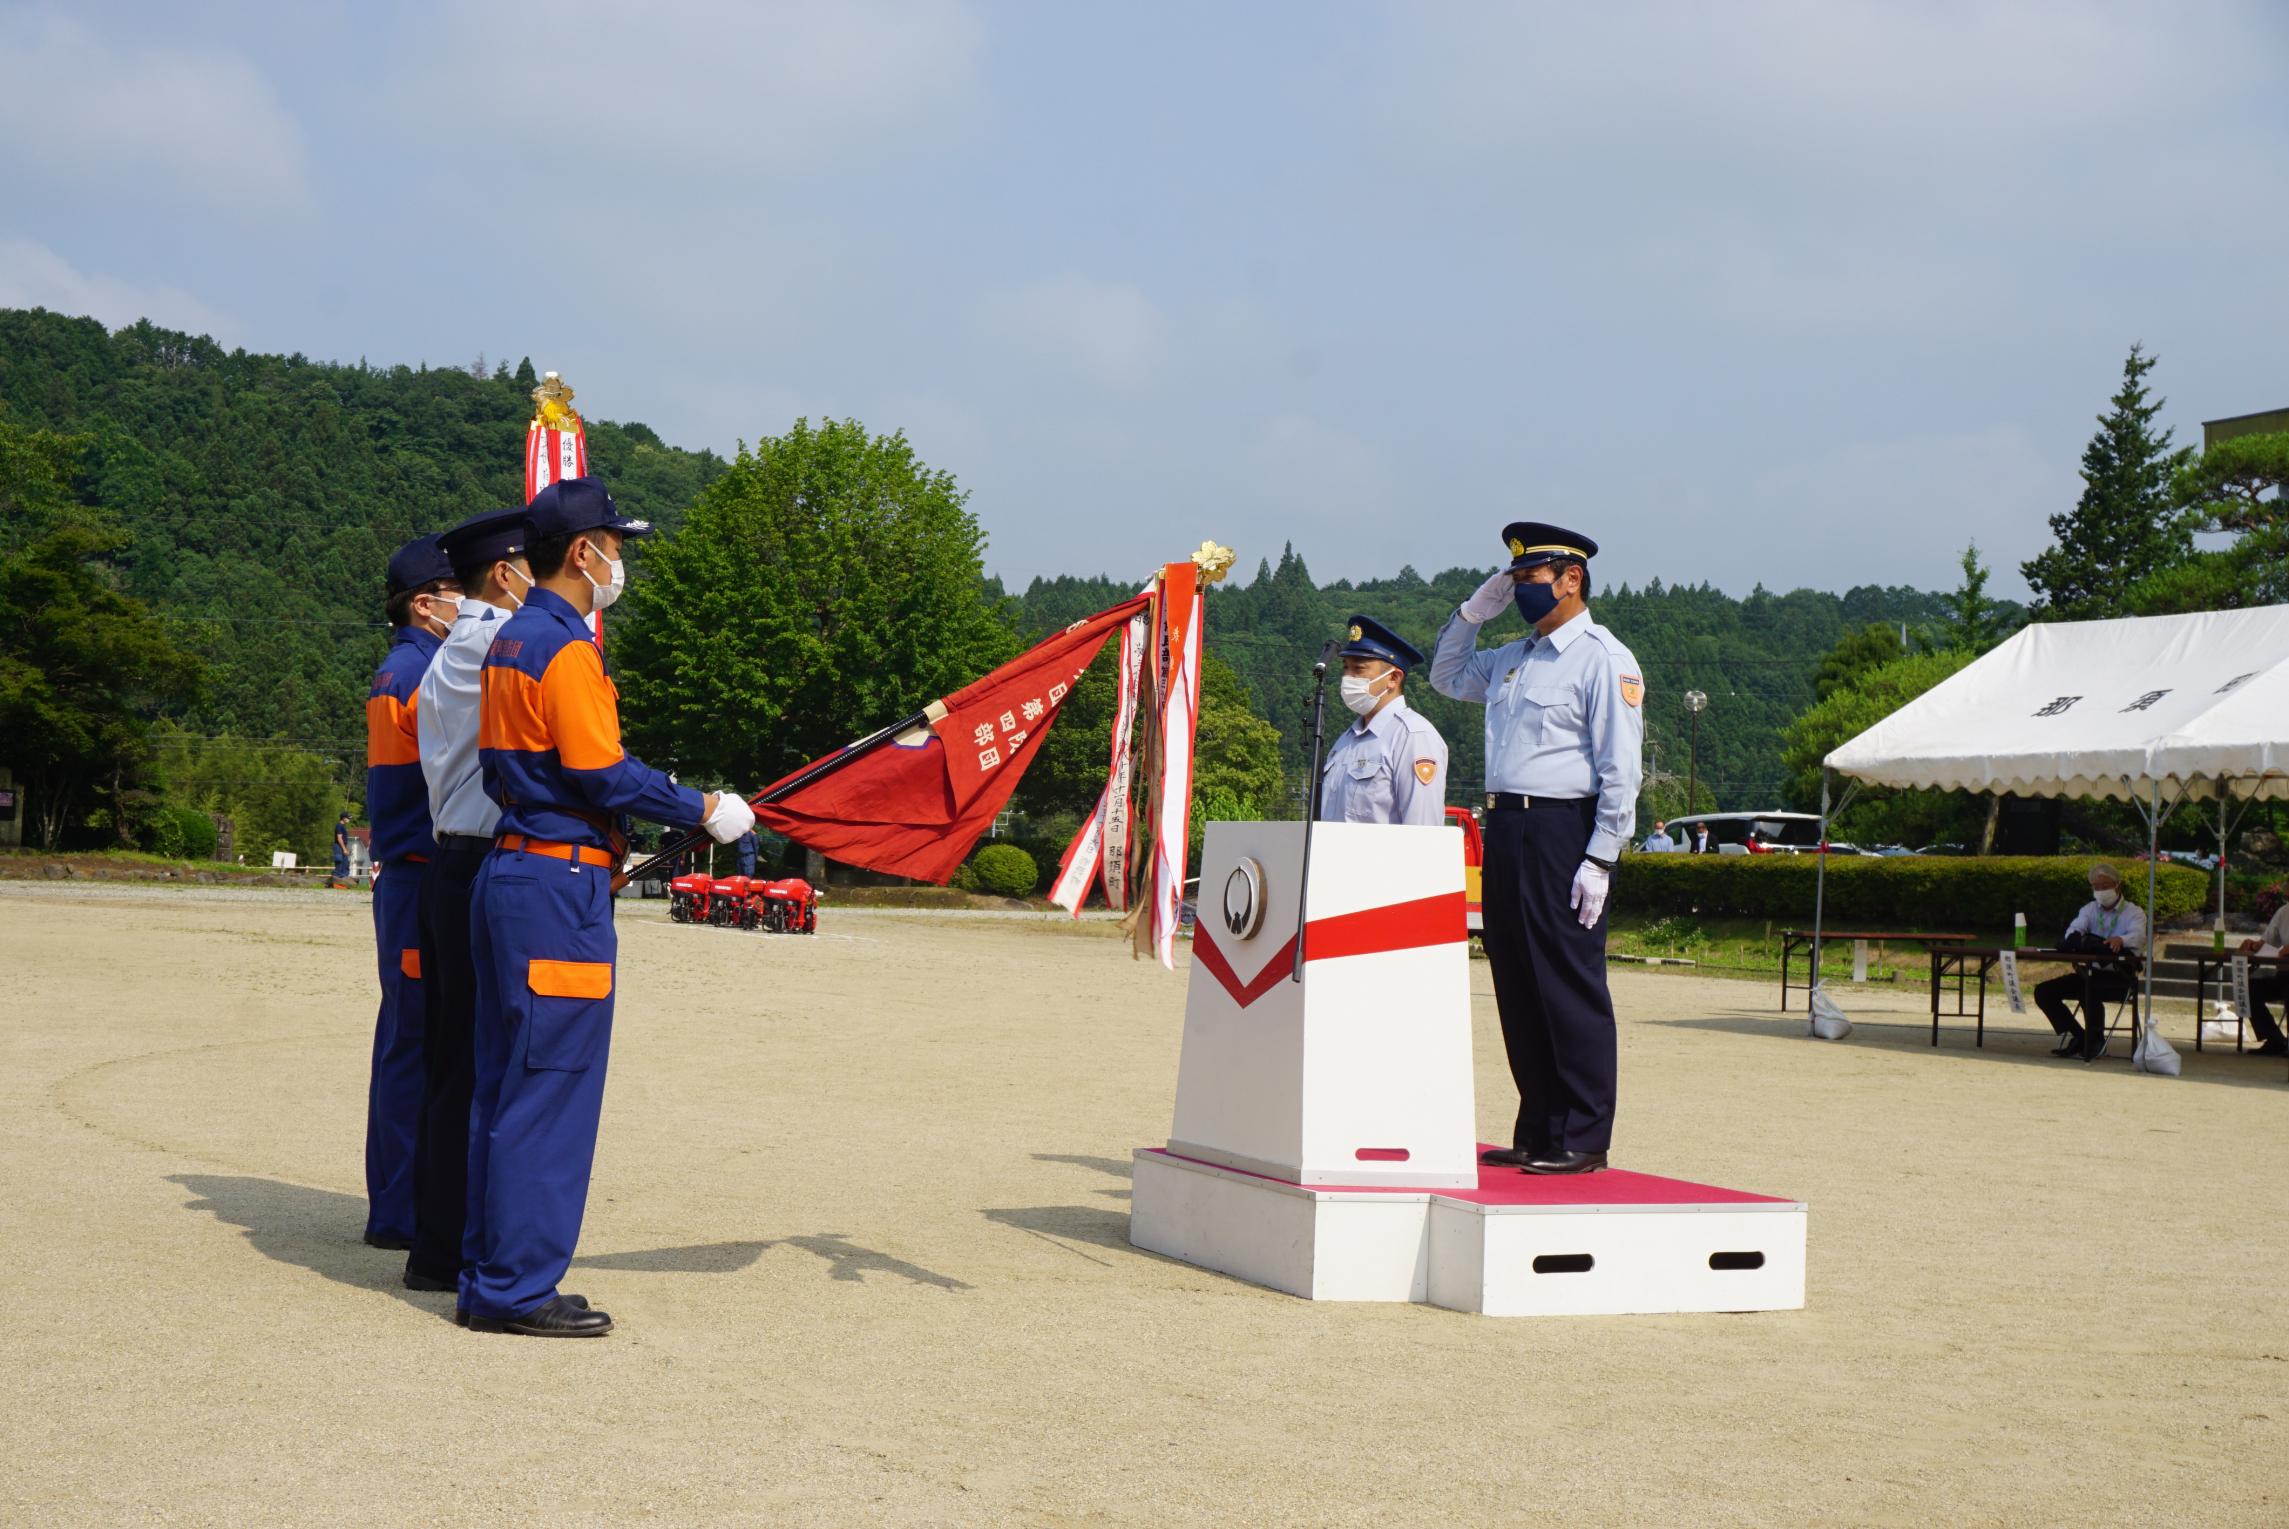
1694	702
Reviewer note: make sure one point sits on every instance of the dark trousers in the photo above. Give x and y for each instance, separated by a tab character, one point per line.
393	1091
540	930
2260	1019
2057	997
1549	978
449	993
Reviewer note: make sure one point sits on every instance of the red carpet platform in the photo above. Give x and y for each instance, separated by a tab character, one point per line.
1516	1244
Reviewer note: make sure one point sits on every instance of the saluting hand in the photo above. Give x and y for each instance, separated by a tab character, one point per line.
1591	884
1491	600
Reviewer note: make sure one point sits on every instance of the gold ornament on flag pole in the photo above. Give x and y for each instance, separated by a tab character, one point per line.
552	404
1214	562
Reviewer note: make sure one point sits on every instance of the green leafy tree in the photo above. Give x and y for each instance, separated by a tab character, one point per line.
2236	487
276	796
2124	526
1236	770
1855	653
825	585
1850	711
1974	621
83	670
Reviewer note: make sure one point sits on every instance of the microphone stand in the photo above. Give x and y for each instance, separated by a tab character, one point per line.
1311	801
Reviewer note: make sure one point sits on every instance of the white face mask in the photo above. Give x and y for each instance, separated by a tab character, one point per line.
1360	694
520	573
2107	896
609	592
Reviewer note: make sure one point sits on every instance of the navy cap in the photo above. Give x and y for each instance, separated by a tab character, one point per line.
573	505
486	538
416	563
1368	638
1533	543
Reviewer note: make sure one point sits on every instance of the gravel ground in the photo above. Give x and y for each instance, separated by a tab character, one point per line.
861	1212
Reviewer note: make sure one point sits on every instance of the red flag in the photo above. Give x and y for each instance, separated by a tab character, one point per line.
913	804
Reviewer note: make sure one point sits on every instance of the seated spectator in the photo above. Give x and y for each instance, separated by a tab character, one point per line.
2109	921
2274	985
1658	842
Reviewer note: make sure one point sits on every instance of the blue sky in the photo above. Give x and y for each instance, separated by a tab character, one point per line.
1808	294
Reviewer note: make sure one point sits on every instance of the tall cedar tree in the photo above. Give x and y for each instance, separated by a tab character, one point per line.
2123	528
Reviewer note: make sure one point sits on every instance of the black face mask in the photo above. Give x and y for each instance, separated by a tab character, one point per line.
1535	601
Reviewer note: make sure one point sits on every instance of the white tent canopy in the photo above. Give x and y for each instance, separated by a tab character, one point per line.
2198	703
2143	709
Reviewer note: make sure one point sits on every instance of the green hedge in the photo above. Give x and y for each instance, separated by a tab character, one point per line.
1004	870
1934	892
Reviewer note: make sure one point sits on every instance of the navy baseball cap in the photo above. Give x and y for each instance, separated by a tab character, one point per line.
1368	638
1533	543
486	538
416	563
573	505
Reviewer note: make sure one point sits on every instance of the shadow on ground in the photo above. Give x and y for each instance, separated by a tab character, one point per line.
322	1230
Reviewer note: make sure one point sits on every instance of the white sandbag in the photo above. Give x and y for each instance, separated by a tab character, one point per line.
1828	1021
2154	1054
2224	1025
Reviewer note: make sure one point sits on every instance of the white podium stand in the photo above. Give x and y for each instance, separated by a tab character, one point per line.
1323	1142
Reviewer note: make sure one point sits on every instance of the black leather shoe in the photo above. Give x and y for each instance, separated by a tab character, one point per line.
389	1240
1505	1157
556	1317
429	1282
461	1313
1564	1162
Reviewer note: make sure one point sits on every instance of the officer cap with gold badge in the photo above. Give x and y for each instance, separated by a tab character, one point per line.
1533	543
1369	638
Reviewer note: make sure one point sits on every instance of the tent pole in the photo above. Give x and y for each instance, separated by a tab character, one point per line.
2221	804
1820	884
2153	853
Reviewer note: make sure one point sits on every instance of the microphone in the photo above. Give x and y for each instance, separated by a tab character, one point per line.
1327	652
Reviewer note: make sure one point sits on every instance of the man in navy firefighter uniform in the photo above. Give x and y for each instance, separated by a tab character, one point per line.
540	924
422	601
1565	731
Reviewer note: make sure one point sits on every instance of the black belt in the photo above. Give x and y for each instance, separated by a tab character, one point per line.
1511	801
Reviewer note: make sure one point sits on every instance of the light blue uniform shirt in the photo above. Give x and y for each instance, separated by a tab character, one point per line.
1565	716
1388	768
447	720
2125	921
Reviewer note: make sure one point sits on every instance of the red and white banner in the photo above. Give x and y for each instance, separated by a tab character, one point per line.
1103	844
1180	629
556	448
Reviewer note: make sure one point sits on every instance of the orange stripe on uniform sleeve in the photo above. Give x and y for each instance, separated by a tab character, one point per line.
509	712
390	738
580	710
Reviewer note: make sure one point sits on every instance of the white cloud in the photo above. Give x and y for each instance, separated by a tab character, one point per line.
676	91
1107	332
34	276
198	126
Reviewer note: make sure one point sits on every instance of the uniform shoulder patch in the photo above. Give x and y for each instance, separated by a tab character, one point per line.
1426	770
1633	689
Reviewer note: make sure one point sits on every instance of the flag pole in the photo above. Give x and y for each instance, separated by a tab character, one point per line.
793	783
1310	803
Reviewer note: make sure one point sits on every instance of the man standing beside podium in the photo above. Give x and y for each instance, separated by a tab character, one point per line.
1565	729
1391	765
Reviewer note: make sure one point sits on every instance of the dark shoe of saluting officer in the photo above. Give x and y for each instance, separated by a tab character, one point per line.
540	921
1565	729
1391	765
487	552
422	602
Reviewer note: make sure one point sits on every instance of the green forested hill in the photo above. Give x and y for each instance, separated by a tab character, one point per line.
1755	658
262	494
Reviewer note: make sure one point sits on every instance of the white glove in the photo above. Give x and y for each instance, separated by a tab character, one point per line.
1591	883
731	818
1492	599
